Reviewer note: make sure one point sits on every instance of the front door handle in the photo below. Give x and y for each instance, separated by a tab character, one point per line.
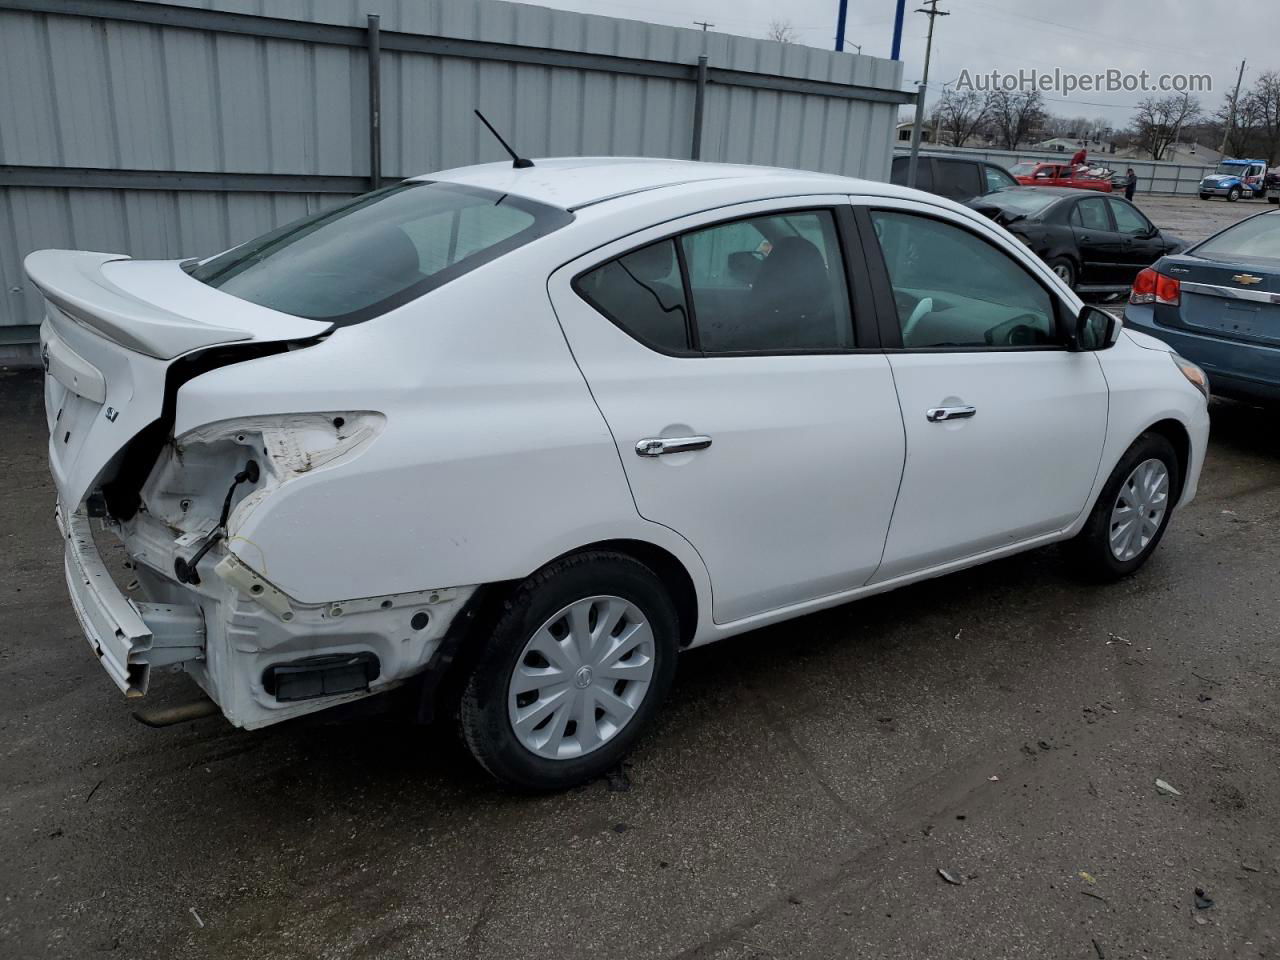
658	446
939	414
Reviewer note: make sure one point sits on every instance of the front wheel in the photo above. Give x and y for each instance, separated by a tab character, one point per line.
1132	512
1065	269
1204	196
576	667
1234	194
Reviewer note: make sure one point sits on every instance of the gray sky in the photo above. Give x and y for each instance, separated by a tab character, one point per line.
1085	36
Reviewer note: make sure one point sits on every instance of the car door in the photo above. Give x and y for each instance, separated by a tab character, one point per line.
749	414
1004	425
1099	244
1141	243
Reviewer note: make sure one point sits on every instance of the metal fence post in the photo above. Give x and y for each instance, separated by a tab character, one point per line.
699	98
375	102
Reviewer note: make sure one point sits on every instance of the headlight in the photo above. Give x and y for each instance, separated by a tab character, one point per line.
1197	377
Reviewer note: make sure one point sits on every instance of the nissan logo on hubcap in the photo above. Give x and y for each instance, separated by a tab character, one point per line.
583	677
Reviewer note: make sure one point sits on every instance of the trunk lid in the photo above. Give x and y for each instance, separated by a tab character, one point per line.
1225	300
113	328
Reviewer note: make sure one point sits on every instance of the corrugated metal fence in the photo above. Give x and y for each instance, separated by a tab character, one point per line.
180	129
1154	176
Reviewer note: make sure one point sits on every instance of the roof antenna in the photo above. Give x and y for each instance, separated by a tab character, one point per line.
516	161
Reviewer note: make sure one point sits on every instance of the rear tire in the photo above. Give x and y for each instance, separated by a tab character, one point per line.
577	665
1132	511
1065	269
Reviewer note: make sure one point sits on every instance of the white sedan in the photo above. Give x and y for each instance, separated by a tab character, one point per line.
520	435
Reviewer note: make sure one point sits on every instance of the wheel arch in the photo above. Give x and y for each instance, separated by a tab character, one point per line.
1175	431
669	569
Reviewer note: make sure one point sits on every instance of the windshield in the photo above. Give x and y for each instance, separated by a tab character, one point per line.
378	251
1230	169
1257	238
1027	202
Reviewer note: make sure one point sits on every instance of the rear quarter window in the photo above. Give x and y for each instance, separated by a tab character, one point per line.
378	251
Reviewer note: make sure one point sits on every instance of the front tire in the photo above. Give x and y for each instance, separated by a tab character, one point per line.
1234	195
1132	512
1204	196
576	667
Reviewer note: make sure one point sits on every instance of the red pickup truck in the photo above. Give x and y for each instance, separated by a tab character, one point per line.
1083	177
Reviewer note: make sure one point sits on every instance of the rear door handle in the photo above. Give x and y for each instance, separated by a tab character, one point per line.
659	446
939	414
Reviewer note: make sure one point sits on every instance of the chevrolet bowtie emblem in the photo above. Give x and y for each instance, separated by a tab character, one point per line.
1246	279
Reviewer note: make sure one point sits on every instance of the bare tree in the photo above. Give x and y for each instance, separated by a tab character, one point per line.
1159	123
1266	97
1015	115
1245	126
781	31
960	115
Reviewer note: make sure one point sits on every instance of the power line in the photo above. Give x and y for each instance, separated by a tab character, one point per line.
1127	42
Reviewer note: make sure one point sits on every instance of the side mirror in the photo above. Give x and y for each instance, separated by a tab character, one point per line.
1095	330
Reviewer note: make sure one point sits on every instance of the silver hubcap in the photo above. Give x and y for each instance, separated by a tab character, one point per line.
581	677
1139	509
1063	271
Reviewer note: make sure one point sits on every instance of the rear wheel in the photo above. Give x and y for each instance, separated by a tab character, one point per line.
1234	194
1132	512
1273	199
1065	269
574	670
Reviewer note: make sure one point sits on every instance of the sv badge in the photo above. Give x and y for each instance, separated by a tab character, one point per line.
112	413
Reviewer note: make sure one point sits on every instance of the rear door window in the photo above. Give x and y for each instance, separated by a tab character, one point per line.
379	251
1091	214
957	179
767	284
642	292
772	284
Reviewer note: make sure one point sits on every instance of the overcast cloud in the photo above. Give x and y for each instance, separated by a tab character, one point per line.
1084	36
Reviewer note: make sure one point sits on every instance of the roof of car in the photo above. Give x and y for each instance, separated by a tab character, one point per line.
575	182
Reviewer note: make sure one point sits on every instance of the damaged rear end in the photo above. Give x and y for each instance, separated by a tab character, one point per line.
119	339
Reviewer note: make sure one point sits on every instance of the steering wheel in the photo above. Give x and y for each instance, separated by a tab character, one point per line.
922	310
1021	331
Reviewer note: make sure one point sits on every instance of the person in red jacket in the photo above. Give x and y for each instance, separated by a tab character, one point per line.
1080	156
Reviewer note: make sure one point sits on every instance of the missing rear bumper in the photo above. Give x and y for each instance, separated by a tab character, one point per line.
128	638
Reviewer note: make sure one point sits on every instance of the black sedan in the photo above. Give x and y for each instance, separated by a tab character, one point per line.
1095	242
1218	305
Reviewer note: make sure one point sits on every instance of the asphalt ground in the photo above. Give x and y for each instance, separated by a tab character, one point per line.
798	797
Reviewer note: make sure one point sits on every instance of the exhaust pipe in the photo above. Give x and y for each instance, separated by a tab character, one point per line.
169	716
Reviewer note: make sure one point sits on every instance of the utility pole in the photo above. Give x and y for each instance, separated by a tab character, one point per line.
932	13
703	24
1231	114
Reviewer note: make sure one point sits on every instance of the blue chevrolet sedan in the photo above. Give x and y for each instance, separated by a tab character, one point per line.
1218	305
